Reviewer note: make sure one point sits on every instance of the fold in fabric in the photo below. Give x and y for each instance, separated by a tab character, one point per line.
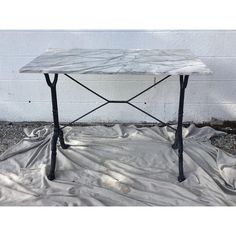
117	166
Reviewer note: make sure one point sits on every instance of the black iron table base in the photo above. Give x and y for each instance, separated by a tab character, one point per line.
58	131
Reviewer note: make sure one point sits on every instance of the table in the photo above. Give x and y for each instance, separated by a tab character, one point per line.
153	62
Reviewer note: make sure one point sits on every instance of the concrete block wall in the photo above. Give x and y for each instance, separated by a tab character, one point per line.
26	97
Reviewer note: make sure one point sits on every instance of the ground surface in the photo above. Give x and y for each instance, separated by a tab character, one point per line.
12	133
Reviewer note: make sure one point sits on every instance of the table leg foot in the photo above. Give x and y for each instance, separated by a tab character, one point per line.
181	178
175	145
51	176
62	142
65	146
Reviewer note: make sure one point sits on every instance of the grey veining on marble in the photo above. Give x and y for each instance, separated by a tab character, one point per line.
117	61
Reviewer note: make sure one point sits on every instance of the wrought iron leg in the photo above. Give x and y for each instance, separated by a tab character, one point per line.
57	132
178	135
61	139
51	175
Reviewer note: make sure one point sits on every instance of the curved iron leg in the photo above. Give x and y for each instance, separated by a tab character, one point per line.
178	135
57	132
61	139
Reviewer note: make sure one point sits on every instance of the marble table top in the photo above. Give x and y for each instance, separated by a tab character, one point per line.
117	61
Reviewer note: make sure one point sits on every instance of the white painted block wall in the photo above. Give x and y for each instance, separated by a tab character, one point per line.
26	97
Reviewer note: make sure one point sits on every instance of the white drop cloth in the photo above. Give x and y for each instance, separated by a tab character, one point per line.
119	165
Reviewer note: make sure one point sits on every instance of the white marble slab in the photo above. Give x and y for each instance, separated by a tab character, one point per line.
117	61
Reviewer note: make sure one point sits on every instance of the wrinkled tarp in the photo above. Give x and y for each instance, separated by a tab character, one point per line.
118	165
